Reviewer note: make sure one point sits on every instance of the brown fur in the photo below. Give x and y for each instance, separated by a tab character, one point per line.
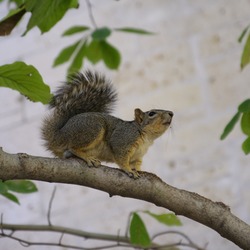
80	125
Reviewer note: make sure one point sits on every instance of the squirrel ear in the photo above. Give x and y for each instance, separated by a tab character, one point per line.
139	115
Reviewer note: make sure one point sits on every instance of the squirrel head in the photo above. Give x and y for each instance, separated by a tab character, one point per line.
153	122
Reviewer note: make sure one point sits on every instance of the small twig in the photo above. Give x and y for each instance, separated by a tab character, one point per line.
173	245
2	228
64	230
26	243
190	242
22	242
91	16
61	237
2	223
50	206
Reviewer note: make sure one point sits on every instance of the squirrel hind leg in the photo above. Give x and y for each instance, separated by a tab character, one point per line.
91	161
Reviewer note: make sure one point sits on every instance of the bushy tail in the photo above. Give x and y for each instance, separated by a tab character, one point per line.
85	92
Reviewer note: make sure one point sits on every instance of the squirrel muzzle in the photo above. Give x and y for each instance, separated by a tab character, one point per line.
167	117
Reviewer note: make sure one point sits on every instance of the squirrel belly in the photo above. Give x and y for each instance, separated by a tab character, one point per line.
80	125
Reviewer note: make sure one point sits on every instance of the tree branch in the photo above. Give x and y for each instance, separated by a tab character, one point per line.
65	230
148	187
118	240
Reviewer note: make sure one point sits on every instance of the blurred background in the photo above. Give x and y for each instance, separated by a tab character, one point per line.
191	65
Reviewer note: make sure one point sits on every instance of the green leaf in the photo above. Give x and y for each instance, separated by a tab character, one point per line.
94	51
11	197
243	34
244	106
134	30
110	55
75	29
229	127
138	232
46	13
65	54
78	59
21	186
245	57
245	123
25	79
11	20
98	50
168	219
3	187
101	34
246	146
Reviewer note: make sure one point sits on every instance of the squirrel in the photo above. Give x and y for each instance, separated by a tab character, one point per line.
81	125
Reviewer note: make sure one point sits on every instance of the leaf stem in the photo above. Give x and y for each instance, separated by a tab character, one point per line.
91	16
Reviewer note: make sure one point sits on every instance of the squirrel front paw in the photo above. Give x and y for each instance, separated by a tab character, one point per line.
132	174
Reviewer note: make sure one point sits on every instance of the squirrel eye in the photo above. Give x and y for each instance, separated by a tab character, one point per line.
151	113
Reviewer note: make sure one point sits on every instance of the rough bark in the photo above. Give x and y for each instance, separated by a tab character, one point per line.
148	187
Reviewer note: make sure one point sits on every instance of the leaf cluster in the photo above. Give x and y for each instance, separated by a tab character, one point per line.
243	114
44	14
93	46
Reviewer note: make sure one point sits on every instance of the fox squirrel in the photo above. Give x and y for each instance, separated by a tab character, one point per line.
80	125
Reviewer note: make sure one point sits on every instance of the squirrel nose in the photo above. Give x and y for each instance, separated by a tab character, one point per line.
170	113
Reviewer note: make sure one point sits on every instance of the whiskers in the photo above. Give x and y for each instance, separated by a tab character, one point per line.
169	136
171	129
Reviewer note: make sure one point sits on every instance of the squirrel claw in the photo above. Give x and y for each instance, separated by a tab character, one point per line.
132	174
92	162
